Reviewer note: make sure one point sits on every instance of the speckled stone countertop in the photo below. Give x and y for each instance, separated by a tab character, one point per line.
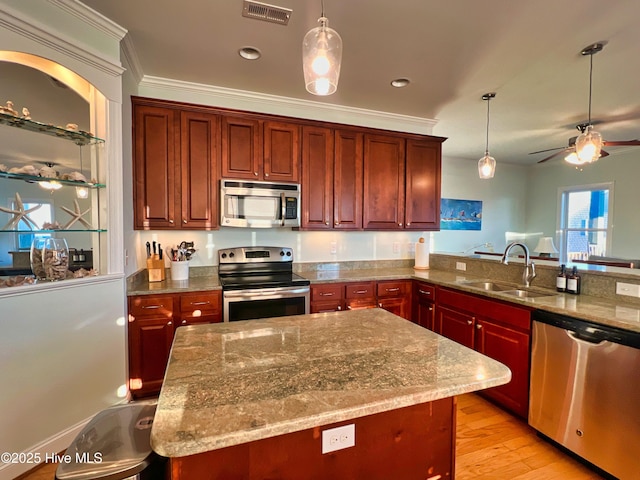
233	383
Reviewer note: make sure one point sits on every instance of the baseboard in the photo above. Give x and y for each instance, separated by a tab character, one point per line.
52	445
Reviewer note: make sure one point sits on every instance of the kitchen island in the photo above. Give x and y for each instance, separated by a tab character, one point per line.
250	400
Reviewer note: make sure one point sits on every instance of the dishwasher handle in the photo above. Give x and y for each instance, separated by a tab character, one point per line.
587	337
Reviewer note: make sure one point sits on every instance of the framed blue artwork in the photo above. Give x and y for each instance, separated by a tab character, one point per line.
460	214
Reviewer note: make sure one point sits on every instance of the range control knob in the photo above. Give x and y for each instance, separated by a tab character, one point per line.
224	255
288	253
231	254
282	253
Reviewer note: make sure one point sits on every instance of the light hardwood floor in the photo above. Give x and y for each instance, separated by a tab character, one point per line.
491	445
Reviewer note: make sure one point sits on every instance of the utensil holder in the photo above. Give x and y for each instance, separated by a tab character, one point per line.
180	270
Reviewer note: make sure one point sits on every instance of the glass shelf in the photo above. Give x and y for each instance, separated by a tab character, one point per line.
99	230
79	138
36	179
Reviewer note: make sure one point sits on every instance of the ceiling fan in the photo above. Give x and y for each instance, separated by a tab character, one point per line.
571	146
586	147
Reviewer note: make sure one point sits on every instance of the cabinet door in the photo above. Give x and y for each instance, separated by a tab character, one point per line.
511	348
422	206
241	148
423	312
383	207
455	325
150	341
396	305
199	134
281	152
155	135
317	178
395	296
200	307
348	178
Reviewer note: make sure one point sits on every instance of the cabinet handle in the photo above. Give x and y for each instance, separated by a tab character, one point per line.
478	326
337	223
327	222
255	173
469	322
184	220
266	174
170	323
392	289
431	309
424	292
171	221
349	307
200	303
152	307
339	307
408	224
326	294
380	305
184	322
400	224
360	292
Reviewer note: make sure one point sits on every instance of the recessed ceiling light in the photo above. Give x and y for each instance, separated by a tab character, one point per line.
400	82
250	53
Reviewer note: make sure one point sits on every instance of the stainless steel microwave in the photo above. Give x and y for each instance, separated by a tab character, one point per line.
259	204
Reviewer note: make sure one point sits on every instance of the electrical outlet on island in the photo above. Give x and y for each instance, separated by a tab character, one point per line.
461	266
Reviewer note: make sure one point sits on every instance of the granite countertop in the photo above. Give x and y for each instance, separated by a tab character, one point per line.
233	383
614	313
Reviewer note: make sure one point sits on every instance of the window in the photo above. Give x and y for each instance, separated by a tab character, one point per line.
584	224
40	216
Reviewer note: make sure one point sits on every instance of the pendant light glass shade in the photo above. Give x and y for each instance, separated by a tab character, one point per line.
588	146
487	164
321	57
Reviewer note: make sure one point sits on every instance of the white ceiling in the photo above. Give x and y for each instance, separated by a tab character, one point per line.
528	52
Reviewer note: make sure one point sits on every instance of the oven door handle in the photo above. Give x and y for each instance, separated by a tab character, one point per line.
261	292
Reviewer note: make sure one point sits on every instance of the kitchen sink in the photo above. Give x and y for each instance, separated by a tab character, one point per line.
489	286
528	293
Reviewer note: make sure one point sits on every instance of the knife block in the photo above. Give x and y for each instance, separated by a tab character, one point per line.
155	269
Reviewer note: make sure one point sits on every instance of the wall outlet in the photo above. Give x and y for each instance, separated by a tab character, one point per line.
629	289
338	438
333	248
461	266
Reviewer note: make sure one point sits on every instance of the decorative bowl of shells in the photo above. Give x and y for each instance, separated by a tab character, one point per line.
50	258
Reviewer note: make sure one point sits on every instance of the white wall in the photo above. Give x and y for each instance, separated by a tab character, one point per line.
621	167
62	350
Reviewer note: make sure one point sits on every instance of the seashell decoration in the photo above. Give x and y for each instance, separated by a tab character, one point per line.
26	170
8	109
74	176
26	114
3	167
48	172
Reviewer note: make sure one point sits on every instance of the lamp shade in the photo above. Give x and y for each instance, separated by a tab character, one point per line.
545	246
486	166
321	57
589	146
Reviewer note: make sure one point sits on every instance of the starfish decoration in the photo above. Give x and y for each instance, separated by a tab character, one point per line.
77	215
19	214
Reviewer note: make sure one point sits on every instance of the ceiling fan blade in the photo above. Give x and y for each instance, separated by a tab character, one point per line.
564	150
603	154
621	143
547	150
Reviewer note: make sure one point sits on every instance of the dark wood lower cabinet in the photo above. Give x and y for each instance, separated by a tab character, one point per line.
395	297
153	320
423	310
416	442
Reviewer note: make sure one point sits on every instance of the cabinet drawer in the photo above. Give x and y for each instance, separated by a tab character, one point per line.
147	305
425	291
393	288
206	302
360	290
329	291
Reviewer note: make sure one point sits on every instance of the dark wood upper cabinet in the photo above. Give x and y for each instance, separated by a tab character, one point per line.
241	148
383	205
347	184
199	143
422	204
281	161
317	178
155	167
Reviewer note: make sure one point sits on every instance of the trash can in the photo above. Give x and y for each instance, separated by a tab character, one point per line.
115	445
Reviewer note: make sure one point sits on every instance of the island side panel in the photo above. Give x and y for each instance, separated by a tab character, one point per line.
416	442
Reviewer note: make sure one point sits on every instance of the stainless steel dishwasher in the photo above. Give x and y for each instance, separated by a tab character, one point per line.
585	390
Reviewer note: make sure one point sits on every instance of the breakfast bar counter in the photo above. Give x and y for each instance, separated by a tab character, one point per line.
250	399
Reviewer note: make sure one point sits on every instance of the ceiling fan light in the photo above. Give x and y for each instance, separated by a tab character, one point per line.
486	166
573	159
321	58
589	146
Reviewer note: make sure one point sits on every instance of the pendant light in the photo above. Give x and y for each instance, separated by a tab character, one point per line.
321	57
487	164
589	142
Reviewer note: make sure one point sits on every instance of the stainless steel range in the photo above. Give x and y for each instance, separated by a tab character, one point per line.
258	282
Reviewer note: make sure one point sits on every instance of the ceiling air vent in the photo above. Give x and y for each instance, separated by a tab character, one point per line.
265	12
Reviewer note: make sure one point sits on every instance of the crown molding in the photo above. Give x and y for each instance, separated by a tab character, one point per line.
264	103
41	34
91	17
132	60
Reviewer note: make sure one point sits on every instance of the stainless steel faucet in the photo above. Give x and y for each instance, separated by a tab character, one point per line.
529	267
